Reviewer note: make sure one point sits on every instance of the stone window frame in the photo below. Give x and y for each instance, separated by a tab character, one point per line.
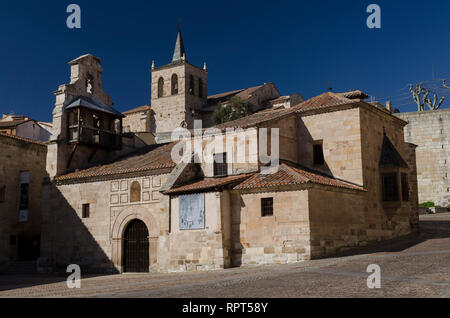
174	85
85	211
89	84
267	207
135	192
191	85
160	87
318	161
388	180
220	169
401	187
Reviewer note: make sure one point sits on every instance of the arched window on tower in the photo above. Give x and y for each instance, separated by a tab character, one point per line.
174	84
89	84
160	87
135	192
200	87
191	85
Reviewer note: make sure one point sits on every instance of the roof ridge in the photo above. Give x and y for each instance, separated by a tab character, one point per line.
295	174
23	139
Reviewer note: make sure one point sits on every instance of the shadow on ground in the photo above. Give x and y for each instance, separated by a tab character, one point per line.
432	227
429	229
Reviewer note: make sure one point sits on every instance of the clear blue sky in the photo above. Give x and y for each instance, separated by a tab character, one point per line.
299	45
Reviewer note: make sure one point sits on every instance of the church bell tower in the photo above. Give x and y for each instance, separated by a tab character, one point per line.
178	91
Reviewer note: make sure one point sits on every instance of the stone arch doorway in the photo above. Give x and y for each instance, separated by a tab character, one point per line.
136	247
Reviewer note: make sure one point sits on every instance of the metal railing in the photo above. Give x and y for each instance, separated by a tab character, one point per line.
94	136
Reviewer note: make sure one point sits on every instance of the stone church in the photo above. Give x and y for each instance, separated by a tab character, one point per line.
113	202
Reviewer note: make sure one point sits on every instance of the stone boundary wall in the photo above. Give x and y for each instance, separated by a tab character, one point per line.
430	131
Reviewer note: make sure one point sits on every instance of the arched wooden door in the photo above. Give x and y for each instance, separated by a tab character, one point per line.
136	246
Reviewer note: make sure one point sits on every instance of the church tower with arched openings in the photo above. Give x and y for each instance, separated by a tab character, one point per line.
178	91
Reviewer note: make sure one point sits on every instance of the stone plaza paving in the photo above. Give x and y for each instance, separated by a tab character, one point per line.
416	266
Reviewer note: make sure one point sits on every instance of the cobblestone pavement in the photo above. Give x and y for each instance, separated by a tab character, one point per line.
416	266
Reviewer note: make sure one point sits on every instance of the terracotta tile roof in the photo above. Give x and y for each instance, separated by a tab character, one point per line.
208	184
137	110
289	175
145	159
278	100
241	93
354	94
256	118
324	100
23	139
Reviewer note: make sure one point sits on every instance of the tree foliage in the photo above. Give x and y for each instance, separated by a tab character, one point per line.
232	109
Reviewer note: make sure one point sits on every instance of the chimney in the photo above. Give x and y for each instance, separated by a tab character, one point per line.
389	106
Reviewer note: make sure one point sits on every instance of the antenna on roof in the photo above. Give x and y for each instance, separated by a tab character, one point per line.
329	86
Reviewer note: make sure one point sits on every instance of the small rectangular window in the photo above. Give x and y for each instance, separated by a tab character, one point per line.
405	187
85	212
390	187
220	165
24	190
2	193
318	157
266	206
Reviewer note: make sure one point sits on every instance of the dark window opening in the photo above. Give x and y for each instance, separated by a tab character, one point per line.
2	193
318	157
160	87
89	85
191	85
174	84
220	164
85	211
200	87
24	191
405	187
12	240
266	206
390	187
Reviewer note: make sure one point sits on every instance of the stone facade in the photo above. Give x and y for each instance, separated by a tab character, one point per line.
430	131
95	241
18	230
176	109
326	192
137	120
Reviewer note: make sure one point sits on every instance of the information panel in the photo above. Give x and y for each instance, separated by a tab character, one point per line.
192	211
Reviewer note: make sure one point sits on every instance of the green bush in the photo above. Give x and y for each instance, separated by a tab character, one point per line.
427	205
234	109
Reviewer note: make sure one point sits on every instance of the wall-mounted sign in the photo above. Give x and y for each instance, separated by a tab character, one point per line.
192	211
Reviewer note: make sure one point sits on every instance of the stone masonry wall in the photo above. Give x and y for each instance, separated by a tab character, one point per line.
95	243
281	238
199	249
17	156
430	131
